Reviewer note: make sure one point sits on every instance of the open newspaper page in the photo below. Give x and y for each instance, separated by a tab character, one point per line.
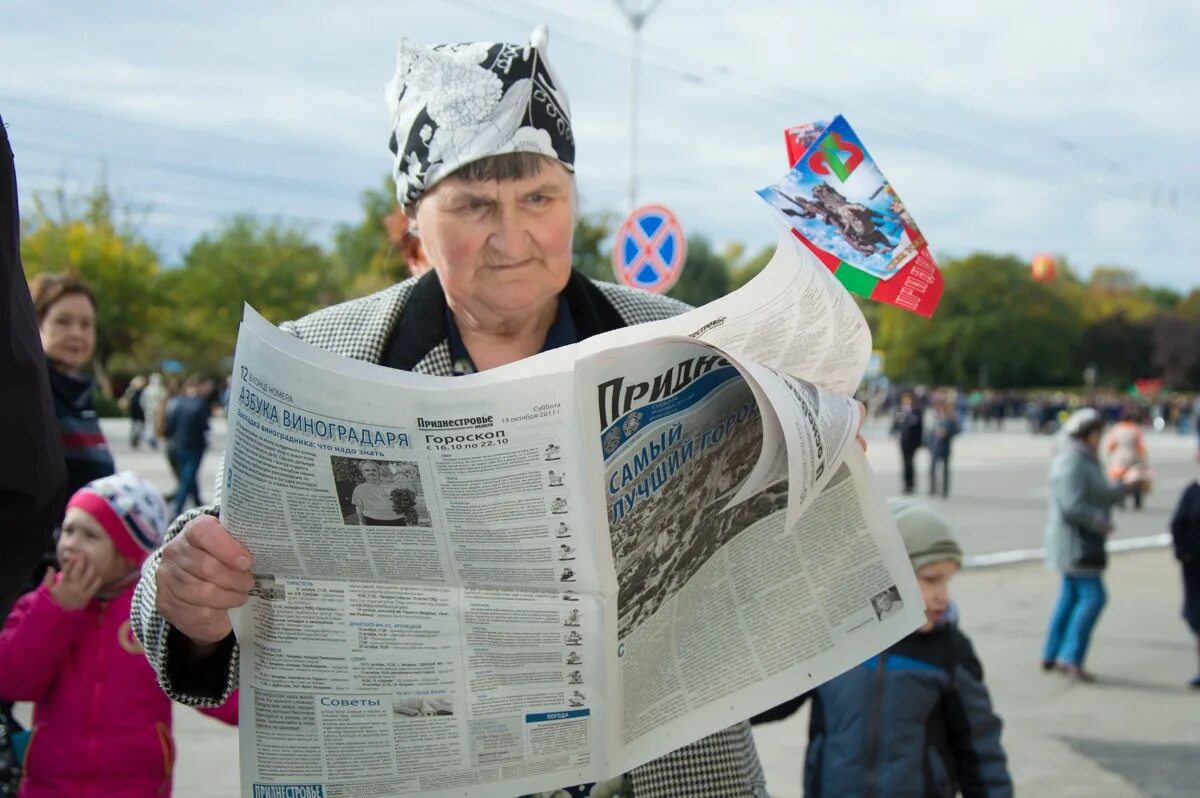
431	591
550	572
724	608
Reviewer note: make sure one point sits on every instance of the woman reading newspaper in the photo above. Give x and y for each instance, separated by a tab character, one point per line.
484	169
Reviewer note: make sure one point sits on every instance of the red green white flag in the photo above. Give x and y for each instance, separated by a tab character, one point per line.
844	210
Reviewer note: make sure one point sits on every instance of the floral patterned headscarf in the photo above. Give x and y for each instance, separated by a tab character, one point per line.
457	103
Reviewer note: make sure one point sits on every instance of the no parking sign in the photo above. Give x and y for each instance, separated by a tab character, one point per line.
649	249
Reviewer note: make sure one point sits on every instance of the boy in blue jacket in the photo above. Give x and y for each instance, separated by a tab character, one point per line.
915	720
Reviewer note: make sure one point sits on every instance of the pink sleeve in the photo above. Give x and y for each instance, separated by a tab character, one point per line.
227	712
34	643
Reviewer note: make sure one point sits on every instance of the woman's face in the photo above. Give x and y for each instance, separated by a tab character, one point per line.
69	331
502	249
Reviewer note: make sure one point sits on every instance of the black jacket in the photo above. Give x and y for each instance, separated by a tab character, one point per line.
910	427
1185	525
32	472
914	722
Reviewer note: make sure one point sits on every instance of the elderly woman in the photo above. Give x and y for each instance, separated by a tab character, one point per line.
1077	528
484	157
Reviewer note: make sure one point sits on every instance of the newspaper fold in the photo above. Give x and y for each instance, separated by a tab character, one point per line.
552	572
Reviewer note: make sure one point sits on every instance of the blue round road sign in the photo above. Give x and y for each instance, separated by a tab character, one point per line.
650	249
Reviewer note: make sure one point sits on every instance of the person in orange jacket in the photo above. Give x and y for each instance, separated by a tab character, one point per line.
1124	449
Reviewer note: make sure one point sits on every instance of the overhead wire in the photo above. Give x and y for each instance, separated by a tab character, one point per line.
935	141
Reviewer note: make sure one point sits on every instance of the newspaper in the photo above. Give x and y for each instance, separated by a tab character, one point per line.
550	573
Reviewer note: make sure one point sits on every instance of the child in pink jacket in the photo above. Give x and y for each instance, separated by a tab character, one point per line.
101	723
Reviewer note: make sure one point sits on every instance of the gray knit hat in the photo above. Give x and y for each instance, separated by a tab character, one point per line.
927	536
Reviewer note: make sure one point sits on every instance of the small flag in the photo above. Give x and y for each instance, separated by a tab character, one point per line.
842	208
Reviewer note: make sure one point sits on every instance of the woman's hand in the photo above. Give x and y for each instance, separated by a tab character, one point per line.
204	573
78	585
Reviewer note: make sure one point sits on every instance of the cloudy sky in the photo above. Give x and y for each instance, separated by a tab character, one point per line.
1013	126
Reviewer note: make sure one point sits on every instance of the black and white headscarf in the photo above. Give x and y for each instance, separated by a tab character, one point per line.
456	103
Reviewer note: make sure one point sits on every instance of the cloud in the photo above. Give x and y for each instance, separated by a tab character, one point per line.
1014	126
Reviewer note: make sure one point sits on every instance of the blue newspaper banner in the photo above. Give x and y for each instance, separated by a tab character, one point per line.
649	250
566	714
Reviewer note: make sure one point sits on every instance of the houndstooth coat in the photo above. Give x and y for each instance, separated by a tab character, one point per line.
405	327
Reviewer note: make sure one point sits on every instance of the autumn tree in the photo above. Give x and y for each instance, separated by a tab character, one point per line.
274	267
994	325
95	238
365	258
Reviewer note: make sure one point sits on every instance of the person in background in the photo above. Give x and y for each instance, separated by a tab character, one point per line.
33	485
1185	533
917	719
102	725
1124	448
186	428
66	309
152	401
1078	524
942	430
131	402
908	427
1196	424
403	234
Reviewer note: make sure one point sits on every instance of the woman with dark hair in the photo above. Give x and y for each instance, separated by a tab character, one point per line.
1077	529
66	312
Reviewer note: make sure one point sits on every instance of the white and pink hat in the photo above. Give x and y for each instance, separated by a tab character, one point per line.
130	509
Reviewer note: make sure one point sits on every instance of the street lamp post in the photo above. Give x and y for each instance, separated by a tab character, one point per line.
636	12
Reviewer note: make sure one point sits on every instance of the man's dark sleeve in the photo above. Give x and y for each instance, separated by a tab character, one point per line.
33	476
973	729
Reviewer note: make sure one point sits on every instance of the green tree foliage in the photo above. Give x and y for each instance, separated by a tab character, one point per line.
742	267
1113	291
1121	350
994	325
365	259
590	252
274	267
1189	306
92	237
705	275
1176	348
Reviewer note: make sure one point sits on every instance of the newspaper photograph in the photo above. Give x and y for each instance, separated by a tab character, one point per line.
549	573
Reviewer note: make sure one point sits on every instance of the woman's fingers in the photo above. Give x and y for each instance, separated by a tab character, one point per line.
189	589
207	534
210	554
203	625
203	573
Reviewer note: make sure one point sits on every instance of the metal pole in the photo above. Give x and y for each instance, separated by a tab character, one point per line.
636	13
633	115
